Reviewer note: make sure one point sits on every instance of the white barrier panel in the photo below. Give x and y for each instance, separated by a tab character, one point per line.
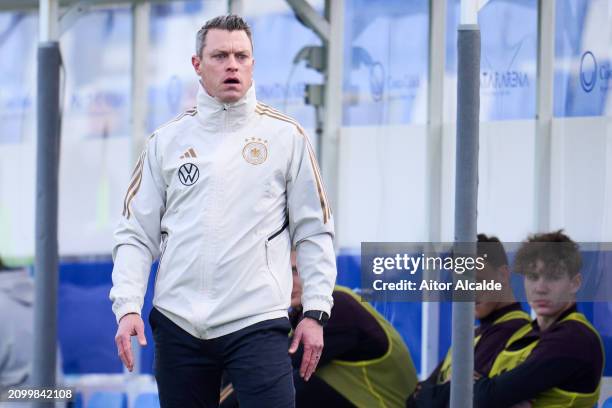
581	173
382	184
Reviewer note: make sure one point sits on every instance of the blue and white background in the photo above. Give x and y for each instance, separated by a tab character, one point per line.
383	159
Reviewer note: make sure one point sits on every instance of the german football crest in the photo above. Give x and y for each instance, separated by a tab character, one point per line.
255	151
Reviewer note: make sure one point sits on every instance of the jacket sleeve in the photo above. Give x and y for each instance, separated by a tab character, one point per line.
311	226
137	238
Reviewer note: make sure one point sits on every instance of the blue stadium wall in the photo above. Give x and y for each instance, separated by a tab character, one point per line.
87	325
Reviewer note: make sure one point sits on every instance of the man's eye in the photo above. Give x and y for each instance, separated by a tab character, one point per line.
219	56
554	276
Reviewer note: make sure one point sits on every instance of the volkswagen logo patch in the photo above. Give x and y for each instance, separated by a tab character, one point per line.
188	174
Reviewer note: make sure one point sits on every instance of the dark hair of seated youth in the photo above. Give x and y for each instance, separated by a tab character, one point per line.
555	250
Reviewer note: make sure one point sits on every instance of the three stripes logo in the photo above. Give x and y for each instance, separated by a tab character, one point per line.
188	174
189	154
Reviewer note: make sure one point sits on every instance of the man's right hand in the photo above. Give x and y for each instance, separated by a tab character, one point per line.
130	325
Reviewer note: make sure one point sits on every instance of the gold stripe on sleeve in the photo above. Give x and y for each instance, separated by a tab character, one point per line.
263	109
133	194
135	180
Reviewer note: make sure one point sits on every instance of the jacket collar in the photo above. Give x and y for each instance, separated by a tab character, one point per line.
217	116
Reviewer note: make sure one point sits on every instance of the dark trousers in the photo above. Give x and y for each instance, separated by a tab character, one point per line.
315	393
188	370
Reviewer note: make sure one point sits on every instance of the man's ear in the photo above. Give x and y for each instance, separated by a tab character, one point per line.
196	62
504	272
575	283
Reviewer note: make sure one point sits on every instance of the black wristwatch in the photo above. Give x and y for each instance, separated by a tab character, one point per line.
318	315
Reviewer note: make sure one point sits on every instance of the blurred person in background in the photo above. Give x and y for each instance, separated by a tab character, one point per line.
17	328
17	293
499	315
220	195
365	362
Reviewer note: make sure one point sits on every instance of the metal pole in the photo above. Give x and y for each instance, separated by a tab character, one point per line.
544	103
333	105
235	7
141	13
466	197
48	24
469	12
430	312
47	156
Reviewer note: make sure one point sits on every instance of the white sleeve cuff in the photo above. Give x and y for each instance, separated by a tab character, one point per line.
124	309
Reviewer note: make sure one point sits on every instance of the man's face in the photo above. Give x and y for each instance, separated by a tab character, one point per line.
226	64
550	292
488	301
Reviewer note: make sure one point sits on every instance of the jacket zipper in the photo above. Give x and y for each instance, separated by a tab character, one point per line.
277	233
207	278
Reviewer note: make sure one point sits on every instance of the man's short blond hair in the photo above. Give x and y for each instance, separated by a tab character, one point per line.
229	22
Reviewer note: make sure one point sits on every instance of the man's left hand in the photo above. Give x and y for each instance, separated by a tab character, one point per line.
310	333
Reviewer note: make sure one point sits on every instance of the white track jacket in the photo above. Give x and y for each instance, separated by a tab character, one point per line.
219	195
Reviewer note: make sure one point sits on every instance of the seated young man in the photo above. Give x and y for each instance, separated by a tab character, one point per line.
499	315
364	363
557	359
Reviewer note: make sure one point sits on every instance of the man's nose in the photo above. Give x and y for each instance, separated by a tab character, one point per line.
232	64
541	286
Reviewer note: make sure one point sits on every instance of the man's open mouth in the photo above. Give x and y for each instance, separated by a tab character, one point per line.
231	81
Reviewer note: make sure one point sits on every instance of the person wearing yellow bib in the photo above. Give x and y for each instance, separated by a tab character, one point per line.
365	362
556	360
499	315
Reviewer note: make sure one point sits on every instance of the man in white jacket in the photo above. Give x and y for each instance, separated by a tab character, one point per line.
220	194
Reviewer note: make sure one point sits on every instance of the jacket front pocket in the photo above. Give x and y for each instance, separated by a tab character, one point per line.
164	245
278	260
